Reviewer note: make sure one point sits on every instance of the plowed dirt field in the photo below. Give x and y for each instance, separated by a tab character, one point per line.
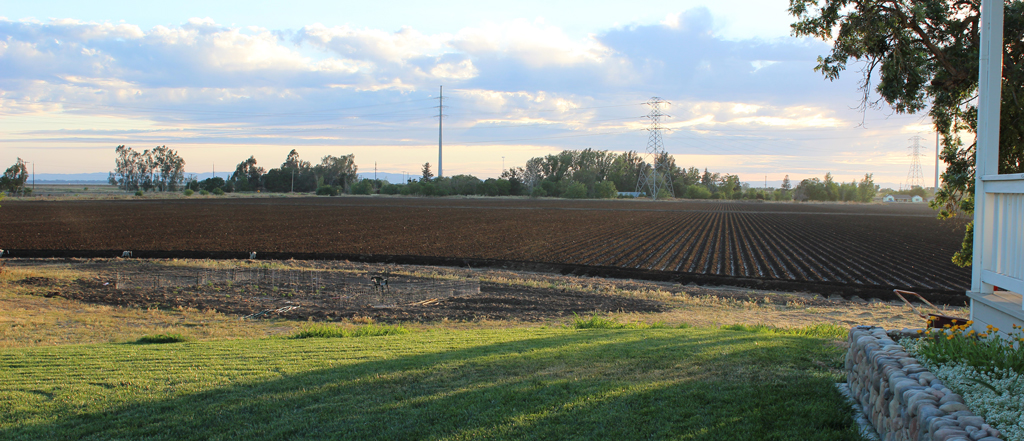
833	245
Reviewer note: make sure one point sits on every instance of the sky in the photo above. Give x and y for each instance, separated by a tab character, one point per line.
220	81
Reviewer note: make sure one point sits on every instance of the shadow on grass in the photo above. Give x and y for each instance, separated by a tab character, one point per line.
595	384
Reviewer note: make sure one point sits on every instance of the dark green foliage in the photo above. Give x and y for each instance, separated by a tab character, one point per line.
209	184
327	190
575	190
337	171
294	175
161	338
247	176
365	186
427	174
14	178
605	190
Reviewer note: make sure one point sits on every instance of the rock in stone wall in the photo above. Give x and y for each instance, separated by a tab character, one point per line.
903	401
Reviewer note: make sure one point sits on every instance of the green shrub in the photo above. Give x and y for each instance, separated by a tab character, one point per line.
326	190
576	190
188	192
538	192
364	186
161	338
324	330
218	191
605	190
138	193
205	193
697	192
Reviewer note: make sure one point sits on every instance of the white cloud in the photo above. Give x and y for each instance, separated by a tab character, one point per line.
202	82
464	70
371	44
535	45
672	20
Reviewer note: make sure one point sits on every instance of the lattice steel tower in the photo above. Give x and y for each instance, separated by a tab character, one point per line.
659	176
916	175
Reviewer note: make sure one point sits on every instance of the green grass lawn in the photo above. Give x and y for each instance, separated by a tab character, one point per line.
695	383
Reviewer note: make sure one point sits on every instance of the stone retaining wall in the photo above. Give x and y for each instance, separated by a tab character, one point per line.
901	398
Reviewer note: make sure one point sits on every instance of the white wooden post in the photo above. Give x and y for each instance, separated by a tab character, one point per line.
987	149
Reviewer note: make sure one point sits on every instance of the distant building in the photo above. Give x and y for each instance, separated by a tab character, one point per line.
902	198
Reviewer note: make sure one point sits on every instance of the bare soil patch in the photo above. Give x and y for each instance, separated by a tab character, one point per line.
842	248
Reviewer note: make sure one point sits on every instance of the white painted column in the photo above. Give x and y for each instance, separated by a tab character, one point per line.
987	159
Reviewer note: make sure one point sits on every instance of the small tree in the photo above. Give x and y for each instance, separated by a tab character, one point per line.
867	189
427	174
13	180
247	176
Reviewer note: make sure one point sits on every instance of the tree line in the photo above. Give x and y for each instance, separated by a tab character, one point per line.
159	169
572	174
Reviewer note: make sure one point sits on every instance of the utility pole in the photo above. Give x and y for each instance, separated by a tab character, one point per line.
440	117
502	165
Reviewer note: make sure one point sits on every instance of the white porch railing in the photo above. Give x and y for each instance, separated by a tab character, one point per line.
1003	233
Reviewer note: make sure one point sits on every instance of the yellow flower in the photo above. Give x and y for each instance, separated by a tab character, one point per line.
995	329
954	321
989	327
970	322
921	331
949	338
983	335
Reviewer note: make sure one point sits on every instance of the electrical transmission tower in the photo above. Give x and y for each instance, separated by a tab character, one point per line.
915	176
440	117
659	176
